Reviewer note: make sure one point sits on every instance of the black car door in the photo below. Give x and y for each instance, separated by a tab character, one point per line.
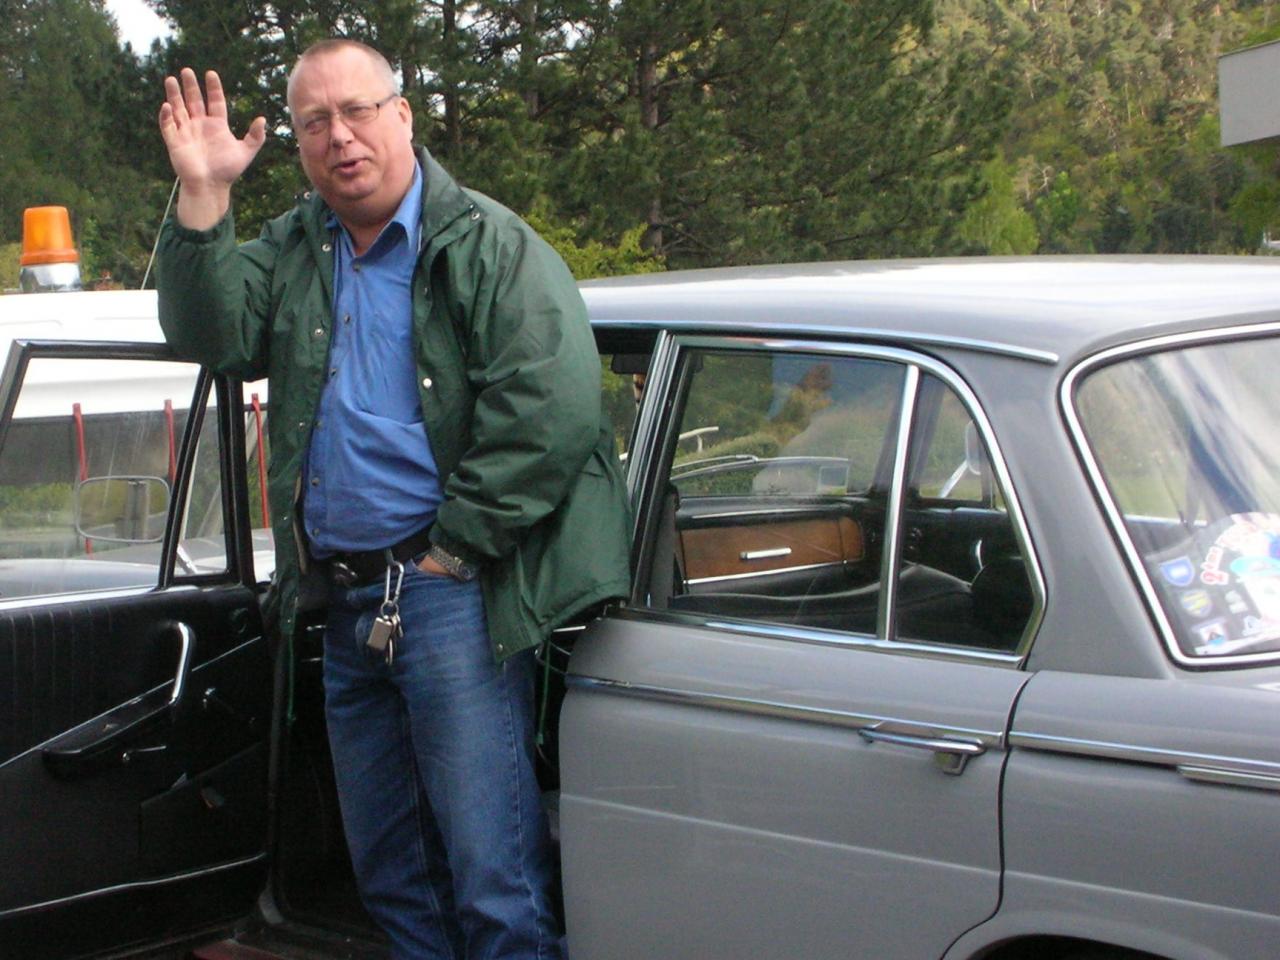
135	680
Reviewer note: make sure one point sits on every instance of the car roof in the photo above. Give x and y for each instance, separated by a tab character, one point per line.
1042	308
113	315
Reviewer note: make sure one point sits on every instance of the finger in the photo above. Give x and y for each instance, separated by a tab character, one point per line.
257	134
213	91
173	100
165	121
191	93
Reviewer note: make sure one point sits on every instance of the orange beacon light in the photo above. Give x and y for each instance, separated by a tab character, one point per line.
49	259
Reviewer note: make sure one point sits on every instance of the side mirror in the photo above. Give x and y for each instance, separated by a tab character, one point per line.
122	509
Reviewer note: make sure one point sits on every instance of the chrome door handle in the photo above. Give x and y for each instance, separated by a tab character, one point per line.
765	554
186	651
950	755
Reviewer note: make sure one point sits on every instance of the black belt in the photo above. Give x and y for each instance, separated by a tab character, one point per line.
364	566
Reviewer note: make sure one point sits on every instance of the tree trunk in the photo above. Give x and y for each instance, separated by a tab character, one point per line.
448	80
648	83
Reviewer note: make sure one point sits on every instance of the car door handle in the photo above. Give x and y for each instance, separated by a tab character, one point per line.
110	743
951	755
772	554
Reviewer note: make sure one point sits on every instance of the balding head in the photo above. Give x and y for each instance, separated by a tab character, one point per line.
333	45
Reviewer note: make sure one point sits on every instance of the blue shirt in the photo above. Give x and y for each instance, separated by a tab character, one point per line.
371	479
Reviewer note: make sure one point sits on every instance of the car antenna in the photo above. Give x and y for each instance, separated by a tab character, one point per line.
156	246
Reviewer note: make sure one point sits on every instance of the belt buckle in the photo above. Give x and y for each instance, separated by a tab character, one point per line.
342	574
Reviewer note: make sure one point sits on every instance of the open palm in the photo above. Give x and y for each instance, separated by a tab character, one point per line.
202	148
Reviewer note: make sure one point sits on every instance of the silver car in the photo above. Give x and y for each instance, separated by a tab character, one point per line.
957	617
955	633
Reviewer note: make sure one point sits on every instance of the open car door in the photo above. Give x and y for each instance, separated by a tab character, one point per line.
135	680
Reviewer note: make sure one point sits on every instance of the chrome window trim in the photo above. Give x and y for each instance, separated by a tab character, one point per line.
85	596
134	885
910	359
991	739
750	574
837	330
1066	401
819	637
1185	762
886	610
813	509
658	382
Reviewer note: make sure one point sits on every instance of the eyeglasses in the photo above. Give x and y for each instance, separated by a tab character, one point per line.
353	115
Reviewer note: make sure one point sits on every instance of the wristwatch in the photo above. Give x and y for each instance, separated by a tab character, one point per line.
456	567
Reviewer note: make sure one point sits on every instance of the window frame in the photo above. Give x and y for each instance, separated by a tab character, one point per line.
232	490
1111	509
657	432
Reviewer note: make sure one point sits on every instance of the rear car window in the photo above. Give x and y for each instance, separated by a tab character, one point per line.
1184	443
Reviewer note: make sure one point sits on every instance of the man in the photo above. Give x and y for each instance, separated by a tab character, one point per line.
438	455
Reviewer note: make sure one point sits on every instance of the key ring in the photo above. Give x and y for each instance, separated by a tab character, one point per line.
391	601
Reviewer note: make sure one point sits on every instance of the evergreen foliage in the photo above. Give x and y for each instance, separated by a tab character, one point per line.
643	134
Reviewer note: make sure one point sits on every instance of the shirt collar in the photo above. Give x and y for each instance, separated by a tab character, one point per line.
408	215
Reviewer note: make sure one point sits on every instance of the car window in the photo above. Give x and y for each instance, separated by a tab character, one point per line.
770	508
203	537
950	463
961	578
202	542
87	469
784	425
774	498
622	380
1184	442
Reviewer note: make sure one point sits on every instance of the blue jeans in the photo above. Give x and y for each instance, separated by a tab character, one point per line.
433	755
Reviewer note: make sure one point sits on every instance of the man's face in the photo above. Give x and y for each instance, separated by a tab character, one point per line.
362	170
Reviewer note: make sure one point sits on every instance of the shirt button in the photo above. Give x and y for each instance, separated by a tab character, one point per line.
319	422
333	372
346	318
426	383
355	267
326	247
315	481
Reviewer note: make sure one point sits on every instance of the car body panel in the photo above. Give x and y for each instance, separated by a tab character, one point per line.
705	760
723	782
133	752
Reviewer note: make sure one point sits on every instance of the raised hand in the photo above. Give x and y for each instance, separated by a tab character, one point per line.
205	154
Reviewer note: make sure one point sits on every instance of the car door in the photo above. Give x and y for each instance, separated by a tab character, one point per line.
796	750
135	681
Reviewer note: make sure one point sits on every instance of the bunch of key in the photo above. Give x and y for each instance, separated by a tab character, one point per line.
386	625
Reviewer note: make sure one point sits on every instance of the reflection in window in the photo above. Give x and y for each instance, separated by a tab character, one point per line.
86	472
775	505
1185	443
622	381
961	578
775	500
202	544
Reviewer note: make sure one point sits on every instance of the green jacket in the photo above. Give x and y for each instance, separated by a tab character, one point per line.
508	375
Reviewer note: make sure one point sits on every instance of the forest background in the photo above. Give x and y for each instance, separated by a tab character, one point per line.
651	134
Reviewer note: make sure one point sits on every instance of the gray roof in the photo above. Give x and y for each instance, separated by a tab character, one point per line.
1045	307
